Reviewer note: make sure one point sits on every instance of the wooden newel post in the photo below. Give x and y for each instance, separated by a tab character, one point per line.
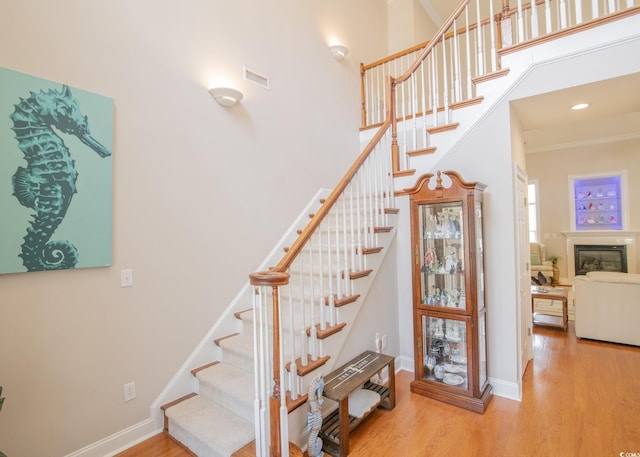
274	279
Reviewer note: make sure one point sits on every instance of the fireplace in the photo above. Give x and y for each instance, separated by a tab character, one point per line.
596	239
590	257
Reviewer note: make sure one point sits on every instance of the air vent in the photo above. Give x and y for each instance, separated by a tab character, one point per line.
257	78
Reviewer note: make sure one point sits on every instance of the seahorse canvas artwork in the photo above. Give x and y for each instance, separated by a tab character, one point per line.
55	175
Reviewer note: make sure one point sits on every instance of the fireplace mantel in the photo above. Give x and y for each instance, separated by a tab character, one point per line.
601	237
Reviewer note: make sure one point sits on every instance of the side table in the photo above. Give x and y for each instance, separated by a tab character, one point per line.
556	293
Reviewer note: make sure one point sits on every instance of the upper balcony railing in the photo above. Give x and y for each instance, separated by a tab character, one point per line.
469	49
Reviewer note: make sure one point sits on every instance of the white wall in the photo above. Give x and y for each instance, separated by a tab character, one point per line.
201	193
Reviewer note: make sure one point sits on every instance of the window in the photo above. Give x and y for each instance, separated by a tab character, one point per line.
532	203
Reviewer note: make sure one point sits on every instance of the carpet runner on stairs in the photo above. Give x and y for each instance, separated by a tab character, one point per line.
207	428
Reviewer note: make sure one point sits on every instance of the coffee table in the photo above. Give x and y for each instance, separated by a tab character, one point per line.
551	293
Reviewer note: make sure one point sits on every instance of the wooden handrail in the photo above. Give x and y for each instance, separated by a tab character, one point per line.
316	220
417	47
507	12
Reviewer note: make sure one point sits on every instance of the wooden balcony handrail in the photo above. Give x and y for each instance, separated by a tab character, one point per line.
432	44
507	12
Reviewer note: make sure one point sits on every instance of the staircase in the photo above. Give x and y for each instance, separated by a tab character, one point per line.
218	417
297	312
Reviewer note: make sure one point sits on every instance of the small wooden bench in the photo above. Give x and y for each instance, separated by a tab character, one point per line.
340	383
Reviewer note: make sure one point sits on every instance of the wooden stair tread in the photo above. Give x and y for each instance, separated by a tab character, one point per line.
338	302
218	340
391	210
322	334
238	313
310	366
443	128
166	406
489	76
402	173
373	250
203	367
176	401
382	230
423	151
297	403
359	274
467	102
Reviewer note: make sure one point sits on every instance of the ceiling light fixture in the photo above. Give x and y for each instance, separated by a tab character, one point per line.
226	96
338	51
579	106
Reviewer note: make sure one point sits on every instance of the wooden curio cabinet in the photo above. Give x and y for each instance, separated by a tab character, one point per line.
449	311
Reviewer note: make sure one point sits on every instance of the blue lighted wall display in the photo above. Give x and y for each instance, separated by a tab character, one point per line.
598	203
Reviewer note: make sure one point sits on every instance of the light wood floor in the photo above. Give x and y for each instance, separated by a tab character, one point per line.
581	398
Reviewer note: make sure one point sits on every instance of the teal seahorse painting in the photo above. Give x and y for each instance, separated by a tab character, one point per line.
52	132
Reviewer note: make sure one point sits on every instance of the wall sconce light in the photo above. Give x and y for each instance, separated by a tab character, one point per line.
226	96
338	51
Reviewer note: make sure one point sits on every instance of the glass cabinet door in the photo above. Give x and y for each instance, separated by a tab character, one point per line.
441	253
445	351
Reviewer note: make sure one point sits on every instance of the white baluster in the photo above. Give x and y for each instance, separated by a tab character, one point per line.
414	108
534	20
467	37
345	249
304	347
480	43
323	319
329	255
435	89
332	311
303	339
521	36
612	6
492	34
292	335
547	15
323	324
313	343
445	80
563	13
424	106
352	218
595	13
457	85
293	384
578	7
358	225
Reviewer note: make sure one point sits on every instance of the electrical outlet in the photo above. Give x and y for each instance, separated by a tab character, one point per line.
129	391
126	278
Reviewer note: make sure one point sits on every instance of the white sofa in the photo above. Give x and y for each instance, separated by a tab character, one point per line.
608	307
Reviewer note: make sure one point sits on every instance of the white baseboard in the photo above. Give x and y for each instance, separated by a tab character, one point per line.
505	389
119	441
405	363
